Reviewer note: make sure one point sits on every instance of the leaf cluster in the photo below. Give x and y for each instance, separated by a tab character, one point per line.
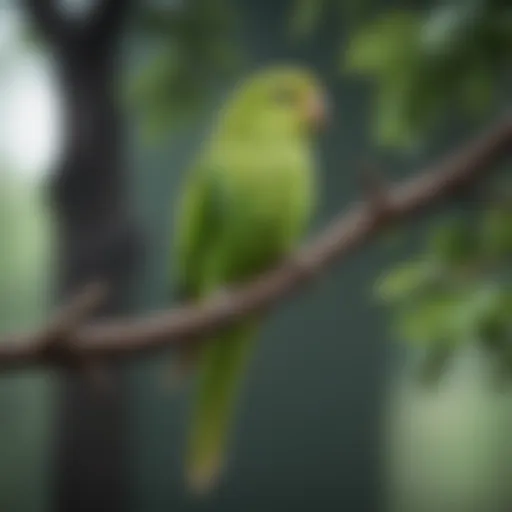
191	49
428	65
459	288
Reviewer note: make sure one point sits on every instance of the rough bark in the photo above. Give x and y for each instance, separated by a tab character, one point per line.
96	239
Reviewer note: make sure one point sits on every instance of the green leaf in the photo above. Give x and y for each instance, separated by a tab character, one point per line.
454	243
151	83
306	17
385	46
398	113
477	311
431	320
193	50
477	90
434	364
427	65
477	305
460	289
405	280
486	308
496	233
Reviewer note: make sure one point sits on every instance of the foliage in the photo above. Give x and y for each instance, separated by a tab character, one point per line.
458	289
424	64
191	47
195	46
307	15
427	65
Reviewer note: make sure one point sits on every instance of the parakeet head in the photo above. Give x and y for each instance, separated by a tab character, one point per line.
280	101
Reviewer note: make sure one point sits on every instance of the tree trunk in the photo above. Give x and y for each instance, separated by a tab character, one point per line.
96	238
96	241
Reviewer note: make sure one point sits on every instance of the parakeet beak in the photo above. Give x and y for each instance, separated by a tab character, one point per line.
316	111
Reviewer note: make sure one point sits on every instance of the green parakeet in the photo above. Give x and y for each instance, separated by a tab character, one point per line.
244	207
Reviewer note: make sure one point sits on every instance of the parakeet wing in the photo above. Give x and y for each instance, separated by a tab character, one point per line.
199	220
246	215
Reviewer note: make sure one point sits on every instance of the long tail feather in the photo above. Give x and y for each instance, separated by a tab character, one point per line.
221	368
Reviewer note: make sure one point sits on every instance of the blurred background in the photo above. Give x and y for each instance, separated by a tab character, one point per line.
385	386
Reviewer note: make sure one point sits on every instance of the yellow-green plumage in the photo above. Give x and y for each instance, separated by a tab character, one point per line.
244	207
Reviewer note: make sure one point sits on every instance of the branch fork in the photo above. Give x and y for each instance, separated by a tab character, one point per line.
58	338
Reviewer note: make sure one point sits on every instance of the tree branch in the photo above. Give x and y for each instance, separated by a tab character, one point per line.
57	339
129	337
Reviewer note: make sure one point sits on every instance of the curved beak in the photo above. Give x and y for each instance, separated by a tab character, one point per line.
317	111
